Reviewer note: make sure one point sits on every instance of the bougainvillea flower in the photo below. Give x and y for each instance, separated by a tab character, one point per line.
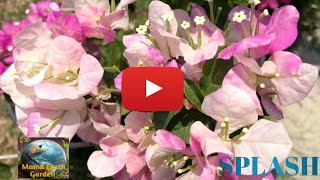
293	80
103	119
203	143
58	68
139	128
165	158
231	104
40	11
177	33
140	51
261	140
117	153
97	19
38	122
25	96
282	25
253	142
244	79
64	24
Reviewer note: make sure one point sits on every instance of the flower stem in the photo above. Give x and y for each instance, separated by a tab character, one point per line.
211	12
253	6
113	5
113	68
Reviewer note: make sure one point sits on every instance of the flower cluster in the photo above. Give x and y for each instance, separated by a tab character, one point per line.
35	13
236	80
52	72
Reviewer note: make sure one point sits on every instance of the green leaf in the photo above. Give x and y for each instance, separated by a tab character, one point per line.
162	119
221	69
124	111
193	93
212	88
208	67
207	87
5	171
181	123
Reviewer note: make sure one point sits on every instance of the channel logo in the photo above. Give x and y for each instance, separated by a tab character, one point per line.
152	89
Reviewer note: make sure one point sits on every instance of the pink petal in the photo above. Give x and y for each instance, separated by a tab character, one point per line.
231	102
36	31
64	24
140	48
114	146
136	161
246	44
67	126
261	141
66	53
22	54
100	165
296	78
111	19
199	11
192	72
284	24
118	81
158	9
50	91
90	74
20	94
271	108
245	80
169	141
135	123
209	141
249	63
170	45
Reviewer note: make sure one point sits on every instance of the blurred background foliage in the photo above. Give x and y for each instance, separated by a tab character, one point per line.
307	46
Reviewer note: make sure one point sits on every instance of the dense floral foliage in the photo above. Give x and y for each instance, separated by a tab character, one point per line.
236	80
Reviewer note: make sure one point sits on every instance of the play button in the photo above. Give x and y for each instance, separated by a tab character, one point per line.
151	88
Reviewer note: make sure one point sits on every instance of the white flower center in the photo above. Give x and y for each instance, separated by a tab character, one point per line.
256	2
27	11
142	29
185	25
239	17
199	20
167	17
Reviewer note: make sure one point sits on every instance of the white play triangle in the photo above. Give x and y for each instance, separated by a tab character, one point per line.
151	88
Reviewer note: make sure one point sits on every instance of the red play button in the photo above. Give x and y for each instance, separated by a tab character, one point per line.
152	89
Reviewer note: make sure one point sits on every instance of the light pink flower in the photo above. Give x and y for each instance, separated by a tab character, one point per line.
96	18
256	142
104	119
293	80
276	33
139	128
117	154
164	157
39	122
233	104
